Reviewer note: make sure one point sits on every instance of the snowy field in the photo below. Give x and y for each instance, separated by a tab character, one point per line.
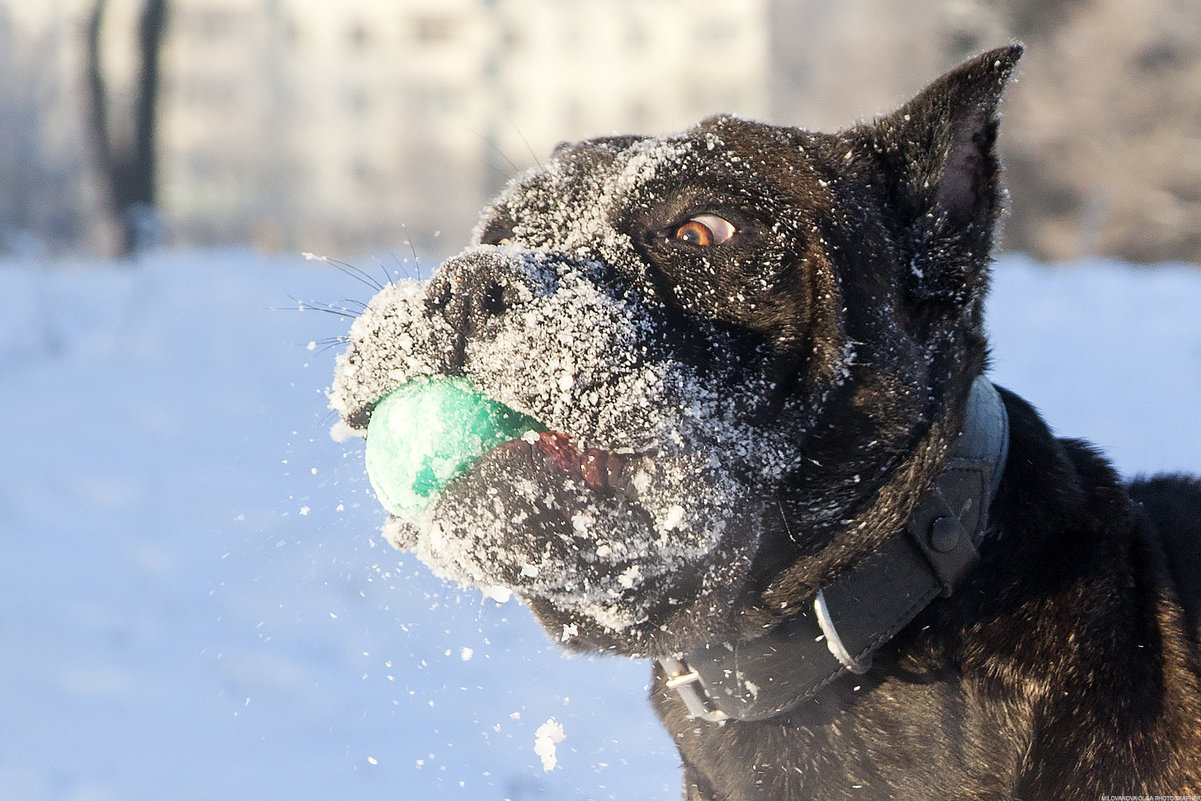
194	600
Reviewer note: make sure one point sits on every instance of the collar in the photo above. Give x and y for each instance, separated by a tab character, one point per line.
869	603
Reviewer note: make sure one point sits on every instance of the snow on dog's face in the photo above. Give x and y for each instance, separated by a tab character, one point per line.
672	312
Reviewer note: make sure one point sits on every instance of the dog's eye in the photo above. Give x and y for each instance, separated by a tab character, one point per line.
705	230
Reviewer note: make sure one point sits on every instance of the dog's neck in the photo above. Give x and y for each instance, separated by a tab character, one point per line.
870	602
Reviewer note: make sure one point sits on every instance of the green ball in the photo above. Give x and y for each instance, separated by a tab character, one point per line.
427	432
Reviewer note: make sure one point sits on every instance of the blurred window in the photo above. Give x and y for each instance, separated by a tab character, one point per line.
358	100
360	37
291	33
512	39
215	23
433	30
361	173
716	34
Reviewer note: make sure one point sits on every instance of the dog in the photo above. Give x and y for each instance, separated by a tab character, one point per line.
771	463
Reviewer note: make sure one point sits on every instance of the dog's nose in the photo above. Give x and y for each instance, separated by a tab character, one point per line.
473	290
468	292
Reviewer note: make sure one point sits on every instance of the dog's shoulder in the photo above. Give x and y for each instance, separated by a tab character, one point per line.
1172	507
1064	507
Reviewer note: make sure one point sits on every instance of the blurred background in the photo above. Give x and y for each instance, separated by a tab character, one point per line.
349	126
195	603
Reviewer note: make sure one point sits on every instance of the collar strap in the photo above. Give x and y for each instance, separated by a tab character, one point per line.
868	604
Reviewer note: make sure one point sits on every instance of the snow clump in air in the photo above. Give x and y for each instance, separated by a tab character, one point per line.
546	740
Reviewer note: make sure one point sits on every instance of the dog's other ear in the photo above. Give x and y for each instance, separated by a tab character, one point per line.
937	156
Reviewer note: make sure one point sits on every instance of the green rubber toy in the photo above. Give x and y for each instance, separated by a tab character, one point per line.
428	431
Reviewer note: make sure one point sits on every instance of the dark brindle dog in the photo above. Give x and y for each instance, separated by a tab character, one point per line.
770	463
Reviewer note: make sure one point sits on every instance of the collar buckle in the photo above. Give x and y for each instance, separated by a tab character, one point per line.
834	642
687	684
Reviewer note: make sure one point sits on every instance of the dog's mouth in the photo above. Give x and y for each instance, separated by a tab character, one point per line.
599	469
619	473
429	434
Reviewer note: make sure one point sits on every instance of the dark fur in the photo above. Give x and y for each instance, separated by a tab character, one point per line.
1068	664
1067	667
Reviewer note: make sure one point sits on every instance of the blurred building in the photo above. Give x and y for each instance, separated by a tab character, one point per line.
316	125
1102	134
45	196
356	125
305	124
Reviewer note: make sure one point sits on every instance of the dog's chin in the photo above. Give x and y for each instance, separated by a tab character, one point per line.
614	551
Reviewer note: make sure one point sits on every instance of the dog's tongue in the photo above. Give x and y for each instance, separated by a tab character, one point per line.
427	432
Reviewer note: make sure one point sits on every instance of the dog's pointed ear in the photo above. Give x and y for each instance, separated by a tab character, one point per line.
937	155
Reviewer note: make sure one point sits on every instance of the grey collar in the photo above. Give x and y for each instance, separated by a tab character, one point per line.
868	604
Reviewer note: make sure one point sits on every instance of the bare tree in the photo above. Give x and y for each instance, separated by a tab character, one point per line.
127	159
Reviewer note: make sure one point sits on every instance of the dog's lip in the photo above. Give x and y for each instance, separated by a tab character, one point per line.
597	468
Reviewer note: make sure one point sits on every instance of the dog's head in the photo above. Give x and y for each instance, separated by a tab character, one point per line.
749	345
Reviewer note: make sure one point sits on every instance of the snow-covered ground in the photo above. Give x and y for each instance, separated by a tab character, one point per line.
194	600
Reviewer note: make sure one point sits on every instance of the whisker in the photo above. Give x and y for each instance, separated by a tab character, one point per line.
326	345
384	269
328	308
412	248
349	270
495	147
507	176
338	312
360	275
524	141
416	258
400	265
784	518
